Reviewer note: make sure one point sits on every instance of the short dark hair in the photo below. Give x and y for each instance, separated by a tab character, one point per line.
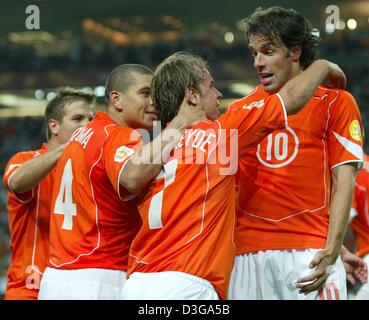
55	107
287	26
172	77
120	79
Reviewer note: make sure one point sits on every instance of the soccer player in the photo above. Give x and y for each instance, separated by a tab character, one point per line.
295	186
93	214
29	177
360	223
185	249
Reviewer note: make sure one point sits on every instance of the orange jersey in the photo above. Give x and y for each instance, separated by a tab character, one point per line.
284	182
28	215
188	211
92	221
360	224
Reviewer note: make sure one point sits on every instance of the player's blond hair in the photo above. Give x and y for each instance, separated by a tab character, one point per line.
172	77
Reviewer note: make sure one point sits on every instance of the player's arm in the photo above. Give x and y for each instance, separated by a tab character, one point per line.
146	163
297	91
29	174
354	207
343	183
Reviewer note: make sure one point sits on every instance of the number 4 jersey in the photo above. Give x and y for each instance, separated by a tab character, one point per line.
93	221
285	182
188	211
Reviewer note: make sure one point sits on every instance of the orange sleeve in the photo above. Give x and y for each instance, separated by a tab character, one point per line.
118	149
13	165
254	120
344	131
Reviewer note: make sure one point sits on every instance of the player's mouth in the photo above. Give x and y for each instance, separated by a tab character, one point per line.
152	115
266	78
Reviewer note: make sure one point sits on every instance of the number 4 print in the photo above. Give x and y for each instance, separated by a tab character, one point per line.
64	203
155	209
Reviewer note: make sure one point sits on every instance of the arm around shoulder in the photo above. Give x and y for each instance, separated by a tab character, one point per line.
30	173
298	90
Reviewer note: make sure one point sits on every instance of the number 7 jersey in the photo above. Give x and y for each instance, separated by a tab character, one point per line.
188	211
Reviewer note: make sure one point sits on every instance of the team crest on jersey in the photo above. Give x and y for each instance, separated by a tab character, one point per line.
122	153
355	130
256	104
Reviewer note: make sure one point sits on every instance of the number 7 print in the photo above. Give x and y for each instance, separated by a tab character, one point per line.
155	209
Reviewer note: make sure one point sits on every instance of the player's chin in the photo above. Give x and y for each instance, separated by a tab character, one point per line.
271	87
148	124
214	115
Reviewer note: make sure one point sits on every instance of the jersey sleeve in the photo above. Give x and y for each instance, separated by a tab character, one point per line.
254	120
118	149
13	165
345	140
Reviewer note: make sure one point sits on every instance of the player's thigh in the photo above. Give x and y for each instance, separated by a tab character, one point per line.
248	275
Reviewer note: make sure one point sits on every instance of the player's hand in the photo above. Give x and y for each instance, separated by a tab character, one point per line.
190	114
322	263
336	77
356	268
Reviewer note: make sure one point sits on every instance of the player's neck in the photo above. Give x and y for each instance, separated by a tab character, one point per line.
52	144
296	70
116	117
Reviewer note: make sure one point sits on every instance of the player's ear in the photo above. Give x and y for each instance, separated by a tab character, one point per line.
193	96
116	99
295	53
53	126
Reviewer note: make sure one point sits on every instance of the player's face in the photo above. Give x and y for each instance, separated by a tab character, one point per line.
76	114
138	109
273	64
209	97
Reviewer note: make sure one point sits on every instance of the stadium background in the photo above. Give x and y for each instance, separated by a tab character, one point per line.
80	42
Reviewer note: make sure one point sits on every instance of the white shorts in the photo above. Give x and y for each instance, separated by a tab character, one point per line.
273	274
81	284
167	285
363	292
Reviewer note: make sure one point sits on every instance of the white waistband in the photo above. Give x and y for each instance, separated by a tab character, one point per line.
172	274
106	276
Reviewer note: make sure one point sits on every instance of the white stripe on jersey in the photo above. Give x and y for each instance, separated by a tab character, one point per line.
350	146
